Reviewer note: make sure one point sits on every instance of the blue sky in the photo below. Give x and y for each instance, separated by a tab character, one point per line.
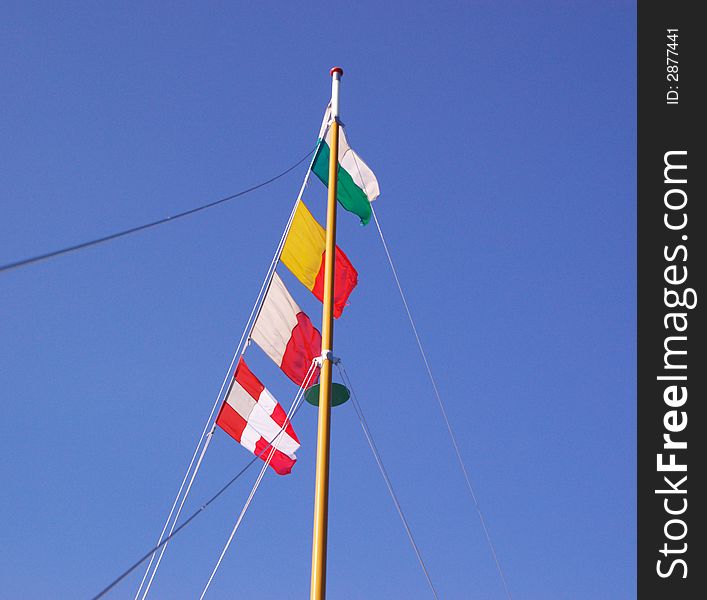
503	136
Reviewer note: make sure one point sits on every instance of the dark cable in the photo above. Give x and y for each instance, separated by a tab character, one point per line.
113	236
202	508
175	532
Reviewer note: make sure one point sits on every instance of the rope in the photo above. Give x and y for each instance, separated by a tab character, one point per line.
295	405
240	350
40	257
174	522
384	473
201	509
442	408
152	551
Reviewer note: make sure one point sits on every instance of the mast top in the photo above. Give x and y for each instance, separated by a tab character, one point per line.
336	74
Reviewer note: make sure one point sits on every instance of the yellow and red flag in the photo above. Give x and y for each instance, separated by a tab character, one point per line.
303	254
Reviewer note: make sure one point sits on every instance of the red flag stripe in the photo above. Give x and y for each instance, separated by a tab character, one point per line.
249	382
285	333
304	345
345	280
278	415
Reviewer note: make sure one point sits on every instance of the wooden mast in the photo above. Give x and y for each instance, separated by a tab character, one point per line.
321	490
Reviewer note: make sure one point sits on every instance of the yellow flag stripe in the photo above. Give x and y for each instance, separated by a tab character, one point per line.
304	246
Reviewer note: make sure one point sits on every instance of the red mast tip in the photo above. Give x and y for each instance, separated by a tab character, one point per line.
338	70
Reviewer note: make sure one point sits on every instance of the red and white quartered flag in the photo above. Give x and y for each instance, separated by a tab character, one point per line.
251	415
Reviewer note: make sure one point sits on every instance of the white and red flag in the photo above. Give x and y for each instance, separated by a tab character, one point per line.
286	334
251	415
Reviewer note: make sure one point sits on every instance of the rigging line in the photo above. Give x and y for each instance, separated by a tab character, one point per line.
441	406
295	405
250	323
384	473
152	551
174	523
41	257
264	290
195	514
240	350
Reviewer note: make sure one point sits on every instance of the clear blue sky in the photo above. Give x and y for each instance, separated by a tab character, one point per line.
503	136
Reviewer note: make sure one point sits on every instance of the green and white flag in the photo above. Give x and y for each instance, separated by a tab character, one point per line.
357	186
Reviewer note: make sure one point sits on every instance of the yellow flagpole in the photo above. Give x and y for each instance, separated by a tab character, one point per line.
321	489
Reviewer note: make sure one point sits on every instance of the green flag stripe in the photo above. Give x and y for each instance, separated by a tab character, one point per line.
349	195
